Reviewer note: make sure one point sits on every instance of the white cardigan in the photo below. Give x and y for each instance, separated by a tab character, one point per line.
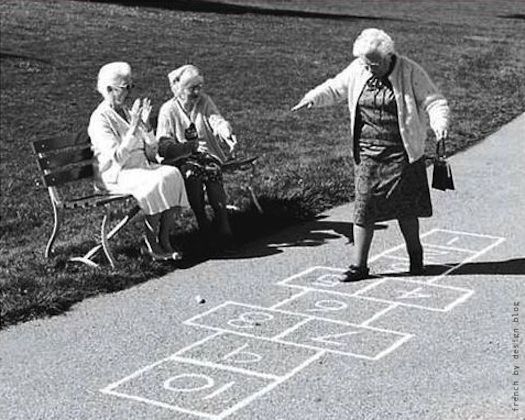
414	93
108	130
210	124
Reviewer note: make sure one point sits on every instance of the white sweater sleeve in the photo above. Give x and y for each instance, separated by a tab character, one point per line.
330	92
220	126
430	99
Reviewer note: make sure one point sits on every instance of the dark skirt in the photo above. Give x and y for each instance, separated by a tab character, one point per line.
388	187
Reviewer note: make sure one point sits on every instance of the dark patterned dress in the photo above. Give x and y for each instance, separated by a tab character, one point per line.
387	186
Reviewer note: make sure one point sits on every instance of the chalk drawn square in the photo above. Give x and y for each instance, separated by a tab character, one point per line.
322	278
247	320
346	339
332	306
415	294
255	355
192	389
391	265
433	255
472	242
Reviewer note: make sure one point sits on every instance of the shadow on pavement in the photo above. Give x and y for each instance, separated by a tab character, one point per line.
514	266
308	234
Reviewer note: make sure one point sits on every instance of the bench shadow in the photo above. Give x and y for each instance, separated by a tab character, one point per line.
204	6
267	235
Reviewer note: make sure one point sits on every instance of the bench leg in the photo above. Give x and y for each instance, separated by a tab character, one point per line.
255	201
56	215
104	238
86	259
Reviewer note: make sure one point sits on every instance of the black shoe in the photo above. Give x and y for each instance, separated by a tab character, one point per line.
416	267
355	273
416	270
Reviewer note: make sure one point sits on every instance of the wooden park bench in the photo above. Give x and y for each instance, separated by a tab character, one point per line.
68	159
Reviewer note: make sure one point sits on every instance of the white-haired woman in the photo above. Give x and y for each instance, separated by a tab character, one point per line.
190	131
125	147
388	96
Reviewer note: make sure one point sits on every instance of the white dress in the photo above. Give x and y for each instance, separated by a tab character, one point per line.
128	170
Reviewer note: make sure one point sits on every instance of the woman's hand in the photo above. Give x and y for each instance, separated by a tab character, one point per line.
441	134
231	141
303	103
135	114
202	147
145	113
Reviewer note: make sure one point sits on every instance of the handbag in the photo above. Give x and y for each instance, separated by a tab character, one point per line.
442	173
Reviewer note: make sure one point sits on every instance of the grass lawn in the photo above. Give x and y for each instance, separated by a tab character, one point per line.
257	65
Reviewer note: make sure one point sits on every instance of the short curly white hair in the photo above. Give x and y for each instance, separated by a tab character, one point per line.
112	74
373	40
181	77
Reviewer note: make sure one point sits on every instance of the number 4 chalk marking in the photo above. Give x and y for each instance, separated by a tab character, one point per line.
323	338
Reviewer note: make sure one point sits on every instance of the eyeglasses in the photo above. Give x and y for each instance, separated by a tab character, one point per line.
371	65
128	86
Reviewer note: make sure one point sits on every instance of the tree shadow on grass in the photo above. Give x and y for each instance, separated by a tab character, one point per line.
204	6
7	55
520	16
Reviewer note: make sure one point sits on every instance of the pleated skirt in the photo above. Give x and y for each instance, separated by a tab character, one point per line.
388	187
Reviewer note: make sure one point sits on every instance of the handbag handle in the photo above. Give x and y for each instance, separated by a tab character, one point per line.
441	152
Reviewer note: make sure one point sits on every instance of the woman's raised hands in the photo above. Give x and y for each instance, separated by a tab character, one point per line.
140	113
146	112
231	141
135	114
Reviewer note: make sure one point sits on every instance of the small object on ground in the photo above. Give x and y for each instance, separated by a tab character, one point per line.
199	299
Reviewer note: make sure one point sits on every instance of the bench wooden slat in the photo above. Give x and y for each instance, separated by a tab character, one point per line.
62	177
94	200
66	157
57	143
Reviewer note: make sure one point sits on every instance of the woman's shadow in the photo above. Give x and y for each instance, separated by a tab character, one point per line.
269	235
514	266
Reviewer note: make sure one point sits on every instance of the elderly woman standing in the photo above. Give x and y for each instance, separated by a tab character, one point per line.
124	147
190	130
388	96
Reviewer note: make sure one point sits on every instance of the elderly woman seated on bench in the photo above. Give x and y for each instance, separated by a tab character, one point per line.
190	132
125	147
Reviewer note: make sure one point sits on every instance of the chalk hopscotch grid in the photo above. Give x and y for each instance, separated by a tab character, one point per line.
467	293
403	337
276	380
110	389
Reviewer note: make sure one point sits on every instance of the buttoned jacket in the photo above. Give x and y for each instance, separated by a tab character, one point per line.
417	98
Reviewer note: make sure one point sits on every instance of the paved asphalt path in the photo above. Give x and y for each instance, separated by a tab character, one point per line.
272	334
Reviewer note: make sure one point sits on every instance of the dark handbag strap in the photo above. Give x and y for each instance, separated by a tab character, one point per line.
441	145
